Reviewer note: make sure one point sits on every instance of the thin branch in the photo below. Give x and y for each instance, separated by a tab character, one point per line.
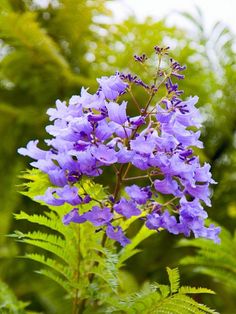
134	100
135	178
126	171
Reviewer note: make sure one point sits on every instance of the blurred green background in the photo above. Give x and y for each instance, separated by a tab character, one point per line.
50	53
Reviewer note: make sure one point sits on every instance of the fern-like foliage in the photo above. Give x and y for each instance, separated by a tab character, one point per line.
73	255
9	303
217	261
168	299
69	252
90	272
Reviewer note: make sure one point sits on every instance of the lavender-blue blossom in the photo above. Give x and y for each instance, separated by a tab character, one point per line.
94	131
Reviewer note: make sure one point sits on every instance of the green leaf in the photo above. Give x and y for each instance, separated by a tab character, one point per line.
9	303
157	299
217	261
174	278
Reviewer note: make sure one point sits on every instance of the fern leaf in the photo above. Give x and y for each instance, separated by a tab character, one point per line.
60	252
158	299
217	261
108	270
194	290
9	302
190	302
55	225
174	278
55	265
38	235
58	279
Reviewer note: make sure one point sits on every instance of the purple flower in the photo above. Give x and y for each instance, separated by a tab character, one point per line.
190	116
194	207
126	208
73	216
166	142
179	167
59	196
63	111
88	101
191	221
93	131
200	191
59	129
112	86
33	151
105	155
167	186
49	197
139	120
123	131
140	162
69	195
143	145
59	145
211	233
139	195
116	112
80	126
57	177
117	234
86	164
124	155
98	216
185	137
103	131
203	174
164	115
153	221
165	221
96	117
46	165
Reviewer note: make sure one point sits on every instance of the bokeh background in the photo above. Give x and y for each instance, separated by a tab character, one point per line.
49	50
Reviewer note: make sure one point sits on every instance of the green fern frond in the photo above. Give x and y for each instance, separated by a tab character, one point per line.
46	237
76	256
174	279
108	271
9	303
219	275
58	279
42	220
56	250
52	263
157	299
189	302
194	290
74	252
217	261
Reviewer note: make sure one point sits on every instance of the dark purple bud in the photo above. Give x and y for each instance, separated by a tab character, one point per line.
141	58
73	176
95	117
111	198
179	76
86	199
186	153
161	50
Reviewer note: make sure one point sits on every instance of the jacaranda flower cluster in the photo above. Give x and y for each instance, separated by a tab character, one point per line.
94	131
